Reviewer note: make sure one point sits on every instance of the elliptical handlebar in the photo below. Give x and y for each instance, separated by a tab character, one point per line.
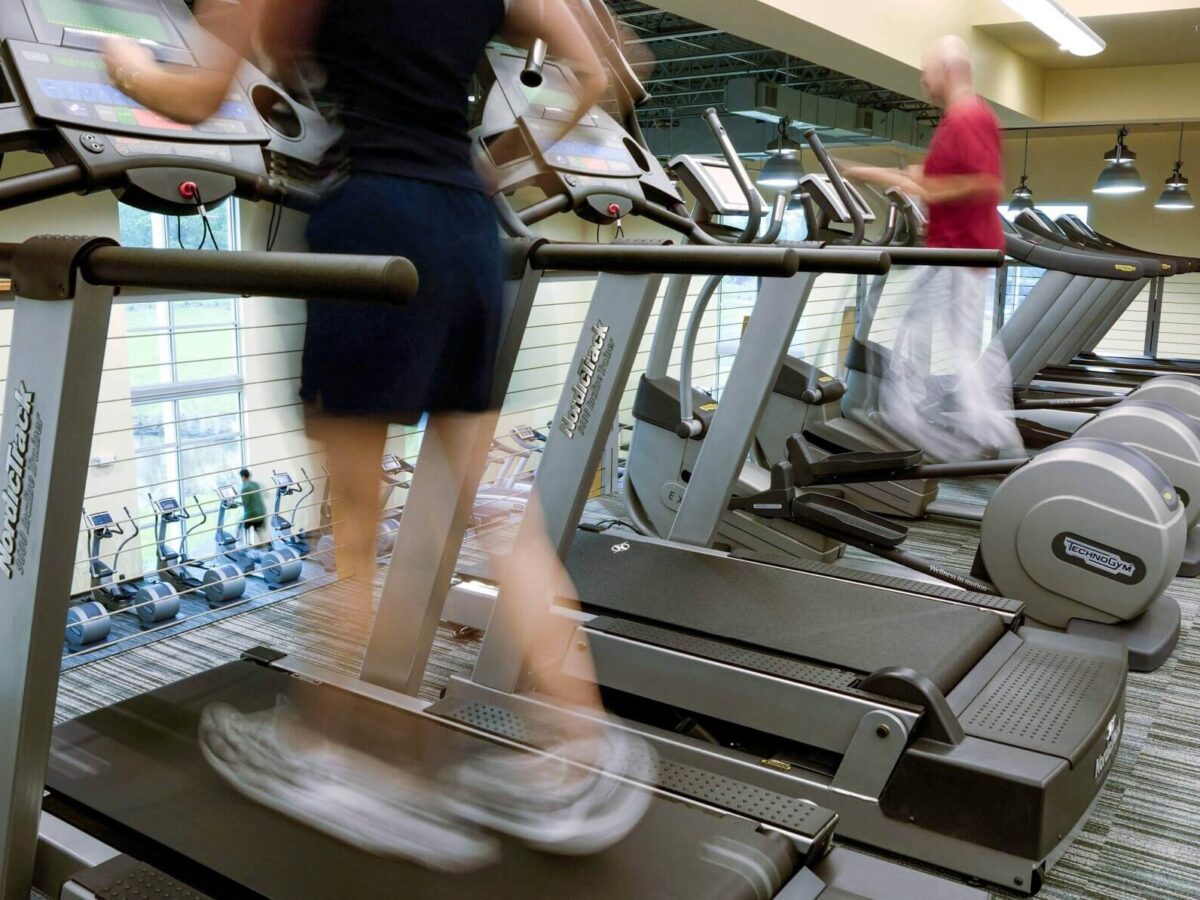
753	198
839	185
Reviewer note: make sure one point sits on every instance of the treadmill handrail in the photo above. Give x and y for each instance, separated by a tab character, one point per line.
296	275
726	259
938	256
1084	263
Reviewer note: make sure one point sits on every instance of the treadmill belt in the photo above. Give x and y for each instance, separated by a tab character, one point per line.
829	620
135	769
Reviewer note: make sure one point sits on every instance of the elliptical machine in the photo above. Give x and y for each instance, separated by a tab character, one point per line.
108	588
153	602
282	527
218	584
276	566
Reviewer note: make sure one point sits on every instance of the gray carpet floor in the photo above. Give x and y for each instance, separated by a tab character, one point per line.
1142	842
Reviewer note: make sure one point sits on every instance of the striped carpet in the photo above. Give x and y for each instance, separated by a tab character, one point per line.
1142	842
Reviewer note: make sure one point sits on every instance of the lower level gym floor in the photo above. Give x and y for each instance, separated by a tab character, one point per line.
1142	841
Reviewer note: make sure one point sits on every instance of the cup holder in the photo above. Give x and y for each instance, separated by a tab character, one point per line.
277	111
639	156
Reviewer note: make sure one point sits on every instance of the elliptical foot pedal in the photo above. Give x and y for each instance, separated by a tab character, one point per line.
839	518
124	878
867	462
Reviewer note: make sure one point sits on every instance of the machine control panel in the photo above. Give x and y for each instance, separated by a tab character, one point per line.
71	87
586	150
100	520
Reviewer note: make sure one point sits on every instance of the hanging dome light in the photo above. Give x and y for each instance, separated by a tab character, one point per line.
1022	196
1120	176
783	170
1175	195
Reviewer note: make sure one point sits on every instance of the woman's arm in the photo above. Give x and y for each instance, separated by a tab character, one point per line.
553	22
193	95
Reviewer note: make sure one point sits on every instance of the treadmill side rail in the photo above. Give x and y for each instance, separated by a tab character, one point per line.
52	387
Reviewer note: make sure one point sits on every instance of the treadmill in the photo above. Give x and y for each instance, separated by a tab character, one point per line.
128	807
929	718
1164	265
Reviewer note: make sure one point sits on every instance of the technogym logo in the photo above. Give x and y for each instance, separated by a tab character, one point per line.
12	546
588	377
1099	558
1112	735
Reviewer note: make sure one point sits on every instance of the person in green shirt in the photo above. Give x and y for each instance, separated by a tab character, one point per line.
254	510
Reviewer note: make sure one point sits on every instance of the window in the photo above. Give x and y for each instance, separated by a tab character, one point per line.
1018	281
185	371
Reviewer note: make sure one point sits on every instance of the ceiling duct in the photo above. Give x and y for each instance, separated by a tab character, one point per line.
840	122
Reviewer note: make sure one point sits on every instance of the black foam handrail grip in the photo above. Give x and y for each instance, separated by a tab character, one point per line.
735	259
937	256
301	276
20	190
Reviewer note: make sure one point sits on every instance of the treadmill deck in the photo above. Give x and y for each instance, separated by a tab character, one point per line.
184	819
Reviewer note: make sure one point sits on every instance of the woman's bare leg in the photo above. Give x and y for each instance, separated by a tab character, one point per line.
532	576
354	445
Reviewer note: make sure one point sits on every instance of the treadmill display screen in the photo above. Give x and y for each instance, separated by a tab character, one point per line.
100	520
168	505
108	18
226	492
283	479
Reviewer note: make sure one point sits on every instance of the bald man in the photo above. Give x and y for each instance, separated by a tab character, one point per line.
942	332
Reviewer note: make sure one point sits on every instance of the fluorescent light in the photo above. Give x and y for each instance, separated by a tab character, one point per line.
1049	17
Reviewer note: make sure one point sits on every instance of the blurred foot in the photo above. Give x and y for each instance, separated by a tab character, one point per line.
582	799
272	759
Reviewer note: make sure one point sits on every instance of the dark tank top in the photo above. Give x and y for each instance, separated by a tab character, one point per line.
398	74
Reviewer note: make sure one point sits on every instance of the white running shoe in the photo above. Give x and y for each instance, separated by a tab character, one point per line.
272	759
579	800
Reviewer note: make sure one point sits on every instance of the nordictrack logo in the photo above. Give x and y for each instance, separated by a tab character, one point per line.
16	470
1099	558
588	377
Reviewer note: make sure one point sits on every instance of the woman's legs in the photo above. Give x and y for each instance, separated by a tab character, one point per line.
354	446
532	576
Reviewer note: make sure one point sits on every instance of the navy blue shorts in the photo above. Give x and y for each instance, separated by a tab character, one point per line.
435	354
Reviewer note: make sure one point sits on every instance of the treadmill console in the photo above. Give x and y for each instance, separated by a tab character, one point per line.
55	94
100	520
392	464
227	492
282	479
712	182
516	141
167	505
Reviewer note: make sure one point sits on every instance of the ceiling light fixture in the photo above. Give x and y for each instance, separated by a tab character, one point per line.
1120	176
1049	17
783	170
1176	195
1022	196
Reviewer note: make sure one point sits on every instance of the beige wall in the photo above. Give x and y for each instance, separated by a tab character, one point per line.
1133	94
1063	168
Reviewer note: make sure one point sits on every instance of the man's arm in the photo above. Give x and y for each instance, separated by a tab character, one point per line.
927	188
